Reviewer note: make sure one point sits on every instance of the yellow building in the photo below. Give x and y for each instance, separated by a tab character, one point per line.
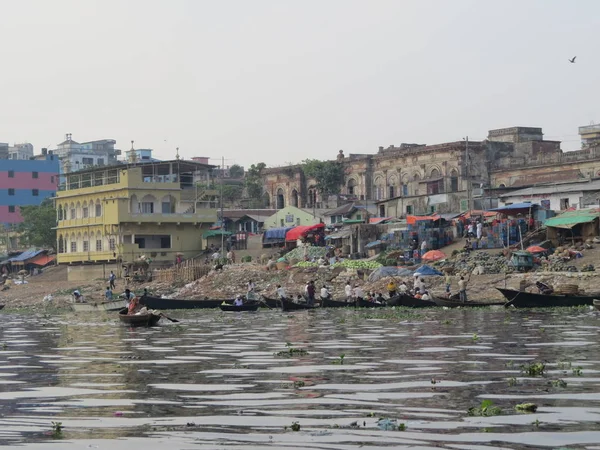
119	213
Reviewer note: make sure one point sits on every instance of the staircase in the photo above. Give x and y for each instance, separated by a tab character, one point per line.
201	193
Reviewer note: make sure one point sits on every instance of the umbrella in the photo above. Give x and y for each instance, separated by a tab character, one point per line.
433	255
536	249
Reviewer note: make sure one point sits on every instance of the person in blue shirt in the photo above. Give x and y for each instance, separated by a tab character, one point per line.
108	294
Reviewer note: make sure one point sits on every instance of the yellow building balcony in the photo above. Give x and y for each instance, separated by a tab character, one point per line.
201	216
88	221
83	257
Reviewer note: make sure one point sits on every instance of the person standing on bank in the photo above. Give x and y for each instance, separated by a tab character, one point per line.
462	289
310	292
111	280
423	247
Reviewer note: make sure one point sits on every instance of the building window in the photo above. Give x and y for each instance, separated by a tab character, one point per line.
87	161
86	246
168	208
52	179
392	188
11	191
73	247
86	213
98	210
147	207
405	189
98	245
111	244
564	203
73	213
409	209
453	184
34	175
298	221
35	192
11	174
100	161
165	242
11	208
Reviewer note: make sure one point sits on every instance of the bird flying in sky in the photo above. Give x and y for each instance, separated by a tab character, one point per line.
572	61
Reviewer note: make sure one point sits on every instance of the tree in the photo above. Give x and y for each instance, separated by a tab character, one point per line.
38	226
231	193
254	183
236	171
329	175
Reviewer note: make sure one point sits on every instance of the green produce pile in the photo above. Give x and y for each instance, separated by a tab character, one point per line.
357	264
311	252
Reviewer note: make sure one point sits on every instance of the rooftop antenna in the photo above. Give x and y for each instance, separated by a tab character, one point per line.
177	153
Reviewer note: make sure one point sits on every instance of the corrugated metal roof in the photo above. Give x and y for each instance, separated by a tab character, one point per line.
26	255
555	189
569	219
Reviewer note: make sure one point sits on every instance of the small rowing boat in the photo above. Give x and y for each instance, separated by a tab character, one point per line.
410	301
453	303
361	303
245	307
329	303
139	320
521	299
288	305
114	305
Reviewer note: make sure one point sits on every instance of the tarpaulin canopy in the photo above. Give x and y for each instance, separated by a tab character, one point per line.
411	220
43	260
23	257
214	233
276	233
373	244
426	270
523	205
342	234
376	220
301	231
571	218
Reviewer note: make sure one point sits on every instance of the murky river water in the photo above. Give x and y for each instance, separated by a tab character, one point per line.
215	381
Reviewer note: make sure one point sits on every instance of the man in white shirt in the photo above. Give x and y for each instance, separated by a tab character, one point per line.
403	288
358	292
280	291
238	301
423	247
479	230
426	296
348	291
325	293
462	289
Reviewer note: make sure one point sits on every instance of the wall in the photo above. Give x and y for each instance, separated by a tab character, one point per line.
275	220
94	272
555	204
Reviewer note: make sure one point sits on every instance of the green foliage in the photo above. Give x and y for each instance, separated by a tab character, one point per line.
534	369
253	181
236	171
329	175
486	408
38	226
231	192
526	407
57	430
559	383
340	360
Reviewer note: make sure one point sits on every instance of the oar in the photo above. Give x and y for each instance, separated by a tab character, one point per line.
168	318
262	301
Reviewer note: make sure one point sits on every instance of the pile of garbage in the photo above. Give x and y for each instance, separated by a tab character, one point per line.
311	252
482	262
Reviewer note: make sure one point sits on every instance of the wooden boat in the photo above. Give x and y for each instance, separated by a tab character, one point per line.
139	320
596	304
520	299
172	303
455	303
115	305
328	303
288	305
410	301
271	302
361	303
245	307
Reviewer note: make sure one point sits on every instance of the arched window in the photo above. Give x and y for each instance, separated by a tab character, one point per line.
392	192
416	177
266	200
379	188
86	242
453	180
61	244
85	212
294	198
78	210
73	244
147	204
501	185
98	209
352	187
59	213
73	211
280	199
434	174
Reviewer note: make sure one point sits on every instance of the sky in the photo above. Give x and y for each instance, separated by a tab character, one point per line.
280	81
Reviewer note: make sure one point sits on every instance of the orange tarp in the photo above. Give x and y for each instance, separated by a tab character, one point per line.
43	260
411	220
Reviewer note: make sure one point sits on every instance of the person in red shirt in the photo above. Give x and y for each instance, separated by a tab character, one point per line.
310	291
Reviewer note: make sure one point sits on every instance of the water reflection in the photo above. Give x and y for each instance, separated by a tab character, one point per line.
231	381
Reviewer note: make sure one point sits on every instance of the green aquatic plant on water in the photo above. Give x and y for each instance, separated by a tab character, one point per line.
564	365
512	381
526	407
534	369
295	426
475	337
57	429
340	360
292	351
559	383
578	371
486	408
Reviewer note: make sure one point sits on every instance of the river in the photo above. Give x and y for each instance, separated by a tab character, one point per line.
326	379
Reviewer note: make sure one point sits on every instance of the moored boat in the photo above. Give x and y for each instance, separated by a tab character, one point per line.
288	305
361	303
521	299
597	304
410	301
454	303
245	307
329	303
114	305
139	320
172	303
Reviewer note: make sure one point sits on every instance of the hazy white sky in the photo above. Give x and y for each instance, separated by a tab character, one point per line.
280	81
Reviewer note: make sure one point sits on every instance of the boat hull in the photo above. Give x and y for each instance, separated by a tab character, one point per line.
139	320
116	305
452	303
360	303
287	305
410	301
171	303
232	308
520	299
328	303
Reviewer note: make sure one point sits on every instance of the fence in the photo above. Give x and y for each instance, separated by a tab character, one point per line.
186	272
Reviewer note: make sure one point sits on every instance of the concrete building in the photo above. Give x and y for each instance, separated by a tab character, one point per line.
590	136
119	213
75	156
557	196
289	216
25	182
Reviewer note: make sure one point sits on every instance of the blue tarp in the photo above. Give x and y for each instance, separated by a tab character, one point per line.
28	254
276	233
389	271
426	270
373	244
523	205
